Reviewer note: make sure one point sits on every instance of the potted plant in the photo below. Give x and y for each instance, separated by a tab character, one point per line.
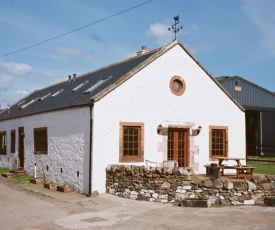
37	180
50	185
65	188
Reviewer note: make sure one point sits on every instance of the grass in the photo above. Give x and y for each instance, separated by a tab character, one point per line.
263	167
22	178
19	178
4	170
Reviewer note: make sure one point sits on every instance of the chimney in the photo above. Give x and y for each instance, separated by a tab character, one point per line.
69	78
143	50
74	76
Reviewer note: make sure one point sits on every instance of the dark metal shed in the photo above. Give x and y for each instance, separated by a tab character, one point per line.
259	105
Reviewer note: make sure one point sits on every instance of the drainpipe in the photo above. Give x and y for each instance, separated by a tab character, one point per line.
91	147
261	132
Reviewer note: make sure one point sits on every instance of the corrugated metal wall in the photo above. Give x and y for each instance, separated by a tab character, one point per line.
250	94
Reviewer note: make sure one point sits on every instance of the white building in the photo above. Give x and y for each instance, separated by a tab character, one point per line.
144	109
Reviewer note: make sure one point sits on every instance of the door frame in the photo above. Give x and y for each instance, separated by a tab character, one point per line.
186	147
21	149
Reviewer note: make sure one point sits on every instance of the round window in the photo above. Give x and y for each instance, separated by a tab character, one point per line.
177	85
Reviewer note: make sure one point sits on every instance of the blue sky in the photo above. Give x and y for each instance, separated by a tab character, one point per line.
229	38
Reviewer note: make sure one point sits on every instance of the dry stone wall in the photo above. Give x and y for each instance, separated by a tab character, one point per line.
163	184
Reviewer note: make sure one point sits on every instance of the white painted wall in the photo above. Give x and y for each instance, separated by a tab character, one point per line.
146	97
68	146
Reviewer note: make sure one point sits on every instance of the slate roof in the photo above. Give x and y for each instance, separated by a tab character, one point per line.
251	96
105	79
42	100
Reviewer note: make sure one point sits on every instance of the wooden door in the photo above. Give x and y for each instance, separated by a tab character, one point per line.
21	152
178	146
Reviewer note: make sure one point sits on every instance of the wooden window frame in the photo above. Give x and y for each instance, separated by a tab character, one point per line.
40	146
225	149
13	141
3	143
140	156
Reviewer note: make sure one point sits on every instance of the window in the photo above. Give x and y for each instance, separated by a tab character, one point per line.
131	146
218	140
40	141
12	141
177	85
3	143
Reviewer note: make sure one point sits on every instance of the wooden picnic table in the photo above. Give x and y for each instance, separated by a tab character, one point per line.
242	171
221	159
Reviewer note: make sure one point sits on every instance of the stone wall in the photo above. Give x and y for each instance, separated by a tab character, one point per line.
163	184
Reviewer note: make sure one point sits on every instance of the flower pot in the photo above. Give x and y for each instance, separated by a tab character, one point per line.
50	185
196	203
65	188
37	180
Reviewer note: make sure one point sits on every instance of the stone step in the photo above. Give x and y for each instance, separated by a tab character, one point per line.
18	172
8	175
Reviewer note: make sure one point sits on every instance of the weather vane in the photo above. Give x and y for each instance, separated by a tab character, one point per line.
174	27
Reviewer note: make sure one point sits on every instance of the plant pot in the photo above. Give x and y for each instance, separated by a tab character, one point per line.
37	180
65	188
50	185
270	201
196	203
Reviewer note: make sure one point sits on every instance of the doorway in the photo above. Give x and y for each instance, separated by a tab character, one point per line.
178	145
21	152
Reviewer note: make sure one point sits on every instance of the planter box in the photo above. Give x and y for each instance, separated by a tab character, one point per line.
50	185
65	188
269	201
37	180
196	203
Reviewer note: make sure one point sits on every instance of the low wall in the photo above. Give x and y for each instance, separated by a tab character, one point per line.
163	184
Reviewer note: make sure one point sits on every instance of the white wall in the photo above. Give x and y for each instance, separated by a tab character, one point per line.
146	97
68	146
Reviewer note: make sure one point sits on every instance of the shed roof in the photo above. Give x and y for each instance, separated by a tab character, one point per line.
249	95
88	87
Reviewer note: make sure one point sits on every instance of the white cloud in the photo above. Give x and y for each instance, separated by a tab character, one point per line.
160	32
261	14
64	54
11	70
202	48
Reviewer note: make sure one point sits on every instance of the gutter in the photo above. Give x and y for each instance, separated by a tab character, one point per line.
91	105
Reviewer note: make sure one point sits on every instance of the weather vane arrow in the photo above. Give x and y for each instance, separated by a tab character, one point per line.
174	27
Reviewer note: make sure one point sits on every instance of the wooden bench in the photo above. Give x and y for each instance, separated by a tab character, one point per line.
245	171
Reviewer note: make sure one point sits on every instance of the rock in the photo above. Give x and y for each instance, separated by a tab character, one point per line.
195	180
208	183
228	185
259	179
134	193
188	177
95	193
186	171
251	185
266	186
167	171
225	202
236	203
217	183
214	200
133	197
270	177
238	185
165	185
249	202
155	195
